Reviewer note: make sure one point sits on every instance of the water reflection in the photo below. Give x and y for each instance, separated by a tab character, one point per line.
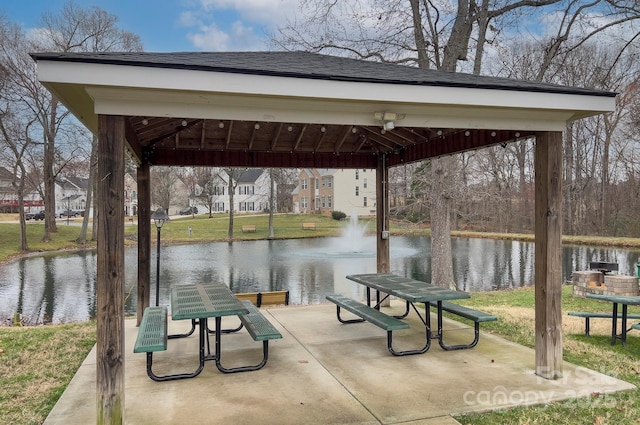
56	288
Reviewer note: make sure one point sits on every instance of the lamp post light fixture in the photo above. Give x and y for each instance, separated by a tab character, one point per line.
158	217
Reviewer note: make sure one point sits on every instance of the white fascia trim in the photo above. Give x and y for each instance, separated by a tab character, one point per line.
246	84
313	111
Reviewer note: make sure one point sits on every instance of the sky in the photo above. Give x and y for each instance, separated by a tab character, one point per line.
176	25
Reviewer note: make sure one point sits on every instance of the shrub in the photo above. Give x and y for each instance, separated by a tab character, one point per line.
338	215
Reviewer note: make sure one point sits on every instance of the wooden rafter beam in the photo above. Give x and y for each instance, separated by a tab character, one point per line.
343	138
319	142
228	138
274	142
299	139
202	134
256	127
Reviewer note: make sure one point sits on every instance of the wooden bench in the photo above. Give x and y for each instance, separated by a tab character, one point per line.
260	299
375	317
475	316
260	329
248	228
308	226
587	315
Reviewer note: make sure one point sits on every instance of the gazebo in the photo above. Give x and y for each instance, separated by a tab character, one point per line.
295	110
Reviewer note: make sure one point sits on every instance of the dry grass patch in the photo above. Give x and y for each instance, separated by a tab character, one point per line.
36	364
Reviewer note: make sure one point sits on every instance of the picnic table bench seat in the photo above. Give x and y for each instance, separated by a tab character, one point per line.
587	315
152	334
260	329
366	313
475	316
152	337
378	318
308	226
248	228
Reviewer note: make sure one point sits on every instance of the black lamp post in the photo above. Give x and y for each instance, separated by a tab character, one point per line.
158	217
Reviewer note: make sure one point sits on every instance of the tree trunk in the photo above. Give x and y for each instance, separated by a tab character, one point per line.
82	237
272	203
49	175
231	190
440	203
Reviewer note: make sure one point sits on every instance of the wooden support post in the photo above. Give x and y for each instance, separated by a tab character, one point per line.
110	272
382	218
144	239
548	254
382	215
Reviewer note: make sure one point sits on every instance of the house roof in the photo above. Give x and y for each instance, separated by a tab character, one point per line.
297	109
310	66
250	175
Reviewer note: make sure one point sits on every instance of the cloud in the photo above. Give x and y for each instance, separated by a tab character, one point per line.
267	12
237	37
234	24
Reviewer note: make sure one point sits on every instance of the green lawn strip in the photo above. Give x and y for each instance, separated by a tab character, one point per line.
594	352
36	365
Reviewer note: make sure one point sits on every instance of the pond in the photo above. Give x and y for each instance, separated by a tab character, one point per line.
58	288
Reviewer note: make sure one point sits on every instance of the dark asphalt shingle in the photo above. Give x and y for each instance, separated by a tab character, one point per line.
312	66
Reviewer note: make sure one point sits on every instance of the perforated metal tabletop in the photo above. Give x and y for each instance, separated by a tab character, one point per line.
204	300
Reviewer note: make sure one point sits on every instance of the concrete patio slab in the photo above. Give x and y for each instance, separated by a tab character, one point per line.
324	372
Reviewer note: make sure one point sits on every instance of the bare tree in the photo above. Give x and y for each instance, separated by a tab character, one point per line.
233	177
73	29
163	191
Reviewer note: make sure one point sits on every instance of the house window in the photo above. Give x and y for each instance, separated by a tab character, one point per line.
357	190
247	206
218	190
304	184
327	181
218	206
317	183
304	202
364	183
357	175
245	190
317	202
364	201
134	195
329	201
324	202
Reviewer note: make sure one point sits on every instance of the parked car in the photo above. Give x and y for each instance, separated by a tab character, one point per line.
35	216
189	211
69	213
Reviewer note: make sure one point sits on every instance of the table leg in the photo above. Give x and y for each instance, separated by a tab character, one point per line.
614	325
624	325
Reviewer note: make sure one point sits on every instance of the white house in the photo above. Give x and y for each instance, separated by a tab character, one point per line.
71	194
251	194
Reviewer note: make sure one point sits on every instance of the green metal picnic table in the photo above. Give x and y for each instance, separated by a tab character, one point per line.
625	301
412	291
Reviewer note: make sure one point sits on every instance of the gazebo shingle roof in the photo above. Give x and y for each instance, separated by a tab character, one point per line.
312	66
